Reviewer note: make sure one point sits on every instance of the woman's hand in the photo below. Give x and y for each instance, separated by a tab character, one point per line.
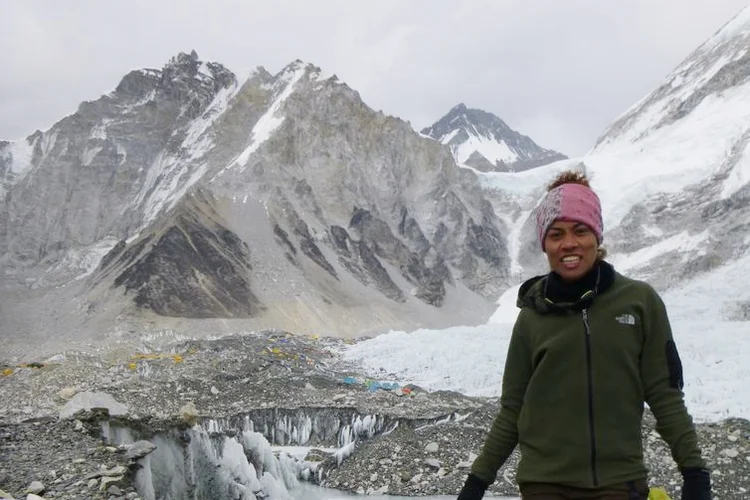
473	489
696	484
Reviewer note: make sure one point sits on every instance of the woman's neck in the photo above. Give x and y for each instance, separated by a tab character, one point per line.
559	290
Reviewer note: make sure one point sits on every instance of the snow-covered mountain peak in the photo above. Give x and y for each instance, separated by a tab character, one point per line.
485	142
718	65
692	132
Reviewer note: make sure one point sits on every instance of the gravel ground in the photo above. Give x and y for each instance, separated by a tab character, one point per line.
427	444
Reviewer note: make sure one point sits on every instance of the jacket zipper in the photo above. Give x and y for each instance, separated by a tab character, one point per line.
590	380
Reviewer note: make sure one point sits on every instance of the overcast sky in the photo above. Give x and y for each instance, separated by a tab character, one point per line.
558	71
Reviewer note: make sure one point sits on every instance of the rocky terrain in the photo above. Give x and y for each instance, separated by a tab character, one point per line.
364	435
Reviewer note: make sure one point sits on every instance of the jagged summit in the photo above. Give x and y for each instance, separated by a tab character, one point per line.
178	76
484	141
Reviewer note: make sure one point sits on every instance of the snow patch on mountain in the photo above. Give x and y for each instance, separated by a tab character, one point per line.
20	153
270	121
85	260
99	131
737	26
485	145
89	154
155	199
133	106
197	141
49	139
739	175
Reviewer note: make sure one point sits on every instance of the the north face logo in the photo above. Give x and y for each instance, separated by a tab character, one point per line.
625	319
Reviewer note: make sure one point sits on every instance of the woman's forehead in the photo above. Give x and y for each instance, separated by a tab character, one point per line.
566	224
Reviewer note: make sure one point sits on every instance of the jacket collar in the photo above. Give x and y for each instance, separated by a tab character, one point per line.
549	293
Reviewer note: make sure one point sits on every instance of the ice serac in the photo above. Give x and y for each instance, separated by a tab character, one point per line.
284	201
197	464
485	142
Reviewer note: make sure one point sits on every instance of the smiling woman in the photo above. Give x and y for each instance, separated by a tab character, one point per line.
589	348
569	223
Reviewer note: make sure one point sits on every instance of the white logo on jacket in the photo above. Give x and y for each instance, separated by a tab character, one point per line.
625	319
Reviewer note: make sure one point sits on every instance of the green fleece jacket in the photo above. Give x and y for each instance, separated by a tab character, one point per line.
575	382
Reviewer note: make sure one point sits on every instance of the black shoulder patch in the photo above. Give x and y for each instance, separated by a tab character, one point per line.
675	366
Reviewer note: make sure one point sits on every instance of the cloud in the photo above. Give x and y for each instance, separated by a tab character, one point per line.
559	72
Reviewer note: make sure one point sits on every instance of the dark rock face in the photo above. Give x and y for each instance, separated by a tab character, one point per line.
360	260
377	235
191	271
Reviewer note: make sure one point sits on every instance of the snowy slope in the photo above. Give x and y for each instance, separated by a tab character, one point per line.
694	126
712	340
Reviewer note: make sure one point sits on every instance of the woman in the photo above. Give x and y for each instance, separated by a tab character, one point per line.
589	347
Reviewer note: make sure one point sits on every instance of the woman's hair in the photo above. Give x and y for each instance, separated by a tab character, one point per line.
575	177
569	177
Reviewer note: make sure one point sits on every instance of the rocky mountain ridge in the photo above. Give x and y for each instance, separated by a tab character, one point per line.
284	201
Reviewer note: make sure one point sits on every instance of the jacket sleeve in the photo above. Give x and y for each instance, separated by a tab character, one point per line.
661	373
503	435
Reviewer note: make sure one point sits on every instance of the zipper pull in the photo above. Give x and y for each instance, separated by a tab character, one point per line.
585	313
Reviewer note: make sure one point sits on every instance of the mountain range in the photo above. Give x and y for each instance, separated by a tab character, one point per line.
185	196
188	202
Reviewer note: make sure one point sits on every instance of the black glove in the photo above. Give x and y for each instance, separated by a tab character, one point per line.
473	489
696	484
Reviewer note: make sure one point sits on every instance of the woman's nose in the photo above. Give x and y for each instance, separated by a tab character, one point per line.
569	241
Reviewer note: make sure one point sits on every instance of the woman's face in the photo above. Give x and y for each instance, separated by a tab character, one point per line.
571	249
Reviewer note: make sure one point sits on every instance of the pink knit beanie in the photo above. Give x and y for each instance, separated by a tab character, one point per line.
570	202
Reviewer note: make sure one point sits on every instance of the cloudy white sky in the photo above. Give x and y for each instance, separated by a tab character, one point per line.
558	71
